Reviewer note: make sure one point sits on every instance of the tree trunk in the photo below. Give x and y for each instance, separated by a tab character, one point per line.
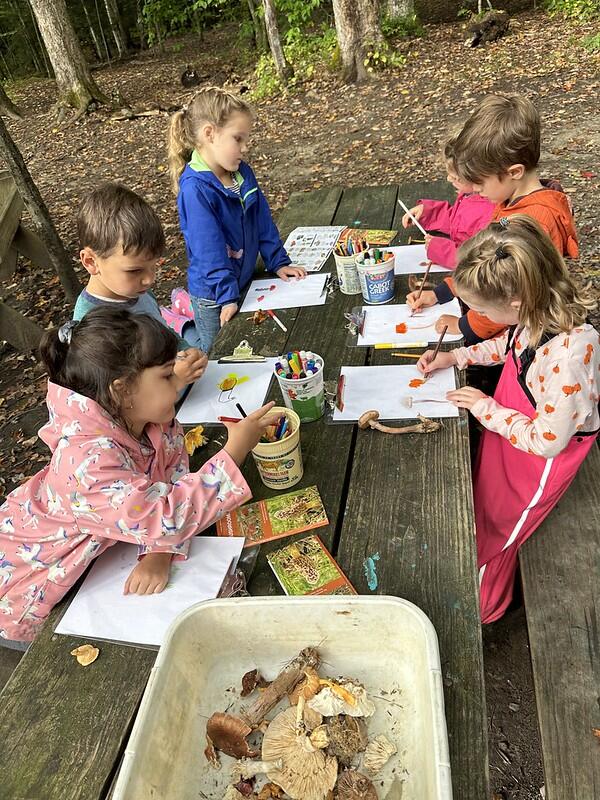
357	27
36	61
39	41
74	82
139	22
101	26
396	9
258	26
92	31
39	213
284	70
7	106
116	26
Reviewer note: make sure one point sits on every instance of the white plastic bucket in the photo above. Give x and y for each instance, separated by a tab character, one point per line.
376	280
279	463
347	274
305	396
386	643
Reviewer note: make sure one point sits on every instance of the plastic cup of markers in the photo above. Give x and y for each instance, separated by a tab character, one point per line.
279	463
347	274
376	280
305	396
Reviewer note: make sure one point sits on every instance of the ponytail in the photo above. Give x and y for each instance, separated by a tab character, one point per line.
179	148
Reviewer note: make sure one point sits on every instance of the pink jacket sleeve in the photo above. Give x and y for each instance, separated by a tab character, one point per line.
436	215
157	514
442	251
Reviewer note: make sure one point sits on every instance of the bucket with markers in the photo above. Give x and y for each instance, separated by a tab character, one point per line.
277	456
345	263
300	378
376	275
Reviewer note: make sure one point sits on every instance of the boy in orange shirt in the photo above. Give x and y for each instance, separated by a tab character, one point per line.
498	151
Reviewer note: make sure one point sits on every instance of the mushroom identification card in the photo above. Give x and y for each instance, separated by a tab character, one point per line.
305	566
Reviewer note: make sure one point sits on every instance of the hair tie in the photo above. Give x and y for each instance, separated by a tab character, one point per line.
65	332
501	252
503	222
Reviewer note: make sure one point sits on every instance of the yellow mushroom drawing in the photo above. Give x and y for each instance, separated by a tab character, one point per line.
228	384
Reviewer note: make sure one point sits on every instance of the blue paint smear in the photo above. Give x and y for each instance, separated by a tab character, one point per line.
370	568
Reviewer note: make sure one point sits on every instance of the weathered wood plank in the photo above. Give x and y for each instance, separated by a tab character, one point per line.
326	449
62	726
11	208
20	331
560	569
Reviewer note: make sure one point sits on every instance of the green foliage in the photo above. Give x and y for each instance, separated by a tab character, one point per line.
401	27
592	43
304	53
169	17
380	56
575	9
298	13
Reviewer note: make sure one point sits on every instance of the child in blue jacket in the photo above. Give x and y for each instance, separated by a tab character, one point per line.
224	216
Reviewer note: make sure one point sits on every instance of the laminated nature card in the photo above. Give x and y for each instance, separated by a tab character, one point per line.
393	324
272	293
396	392
309	247
412	259
305	566
216	393
100	610
282	515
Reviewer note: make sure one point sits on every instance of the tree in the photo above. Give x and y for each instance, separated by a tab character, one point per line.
258	26
39	213
116	26
7	106
396	9
74	82
357	28
284	70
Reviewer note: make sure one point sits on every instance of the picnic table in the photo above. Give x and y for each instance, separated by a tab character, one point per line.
408	498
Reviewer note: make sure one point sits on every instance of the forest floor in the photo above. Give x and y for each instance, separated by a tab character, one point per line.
323	133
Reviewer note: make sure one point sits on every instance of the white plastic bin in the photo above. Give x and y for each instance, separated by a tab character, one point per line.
387	643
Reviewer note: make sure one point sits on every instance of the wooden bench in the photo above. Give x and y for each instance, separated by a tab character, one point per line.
63	729
16	239
560	571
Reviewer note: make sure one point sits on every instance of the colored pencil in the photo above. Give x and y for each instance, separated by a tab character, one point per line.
421	287
437	350
229	419
406	355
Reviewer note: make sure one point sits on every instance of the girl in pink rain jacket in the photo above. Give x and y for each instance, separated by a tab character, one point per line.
543	418
118	472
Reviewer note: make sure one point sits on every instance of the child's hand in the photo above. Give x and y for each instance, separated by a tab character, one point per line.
416	211
285	273
442	360
465	397
428	238
150	575
427	299
244	435
189	366
450	321
227	312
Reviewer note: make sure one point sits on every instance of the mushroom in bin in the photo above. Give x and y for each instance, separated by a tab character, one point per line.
354	785
370	419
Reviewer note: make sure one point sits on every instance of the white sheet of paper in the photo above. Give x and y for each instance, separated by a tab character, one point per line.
381	321
101	610
206	401
383	389
412	259
273	293
309	247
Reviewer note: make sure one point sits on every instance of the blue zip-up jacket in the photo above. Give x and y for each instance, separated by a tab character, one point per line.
225	233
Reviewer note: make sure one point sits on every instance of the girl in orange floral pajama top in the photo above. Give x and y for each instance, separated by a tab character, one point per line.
543	418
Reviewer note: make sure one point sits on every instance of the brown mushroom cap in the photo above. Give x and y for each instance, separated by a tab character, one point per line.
354	785
364	421
228	734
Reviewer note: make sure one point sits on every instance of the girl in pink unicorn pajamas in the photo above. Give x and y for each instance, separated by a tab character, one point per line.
118	472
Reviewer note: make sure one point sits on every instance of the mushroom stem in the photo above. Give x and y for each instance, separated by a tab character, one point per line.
423	426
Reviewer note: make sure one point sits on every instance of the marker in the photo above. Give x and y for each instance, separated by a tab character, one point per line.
241	410
229	419
414	219
276	319
389	346
339	395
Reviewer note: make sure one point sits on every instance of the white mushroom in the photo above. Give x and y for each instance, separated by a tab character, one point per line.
307	772
247	768
331	701
378	752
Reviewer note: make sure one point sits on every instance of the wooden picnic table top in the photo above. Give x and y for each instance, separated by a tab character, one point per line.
408	498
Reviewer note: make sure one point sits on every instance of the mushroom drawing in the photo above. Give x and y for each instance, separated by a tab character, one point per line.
370	420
